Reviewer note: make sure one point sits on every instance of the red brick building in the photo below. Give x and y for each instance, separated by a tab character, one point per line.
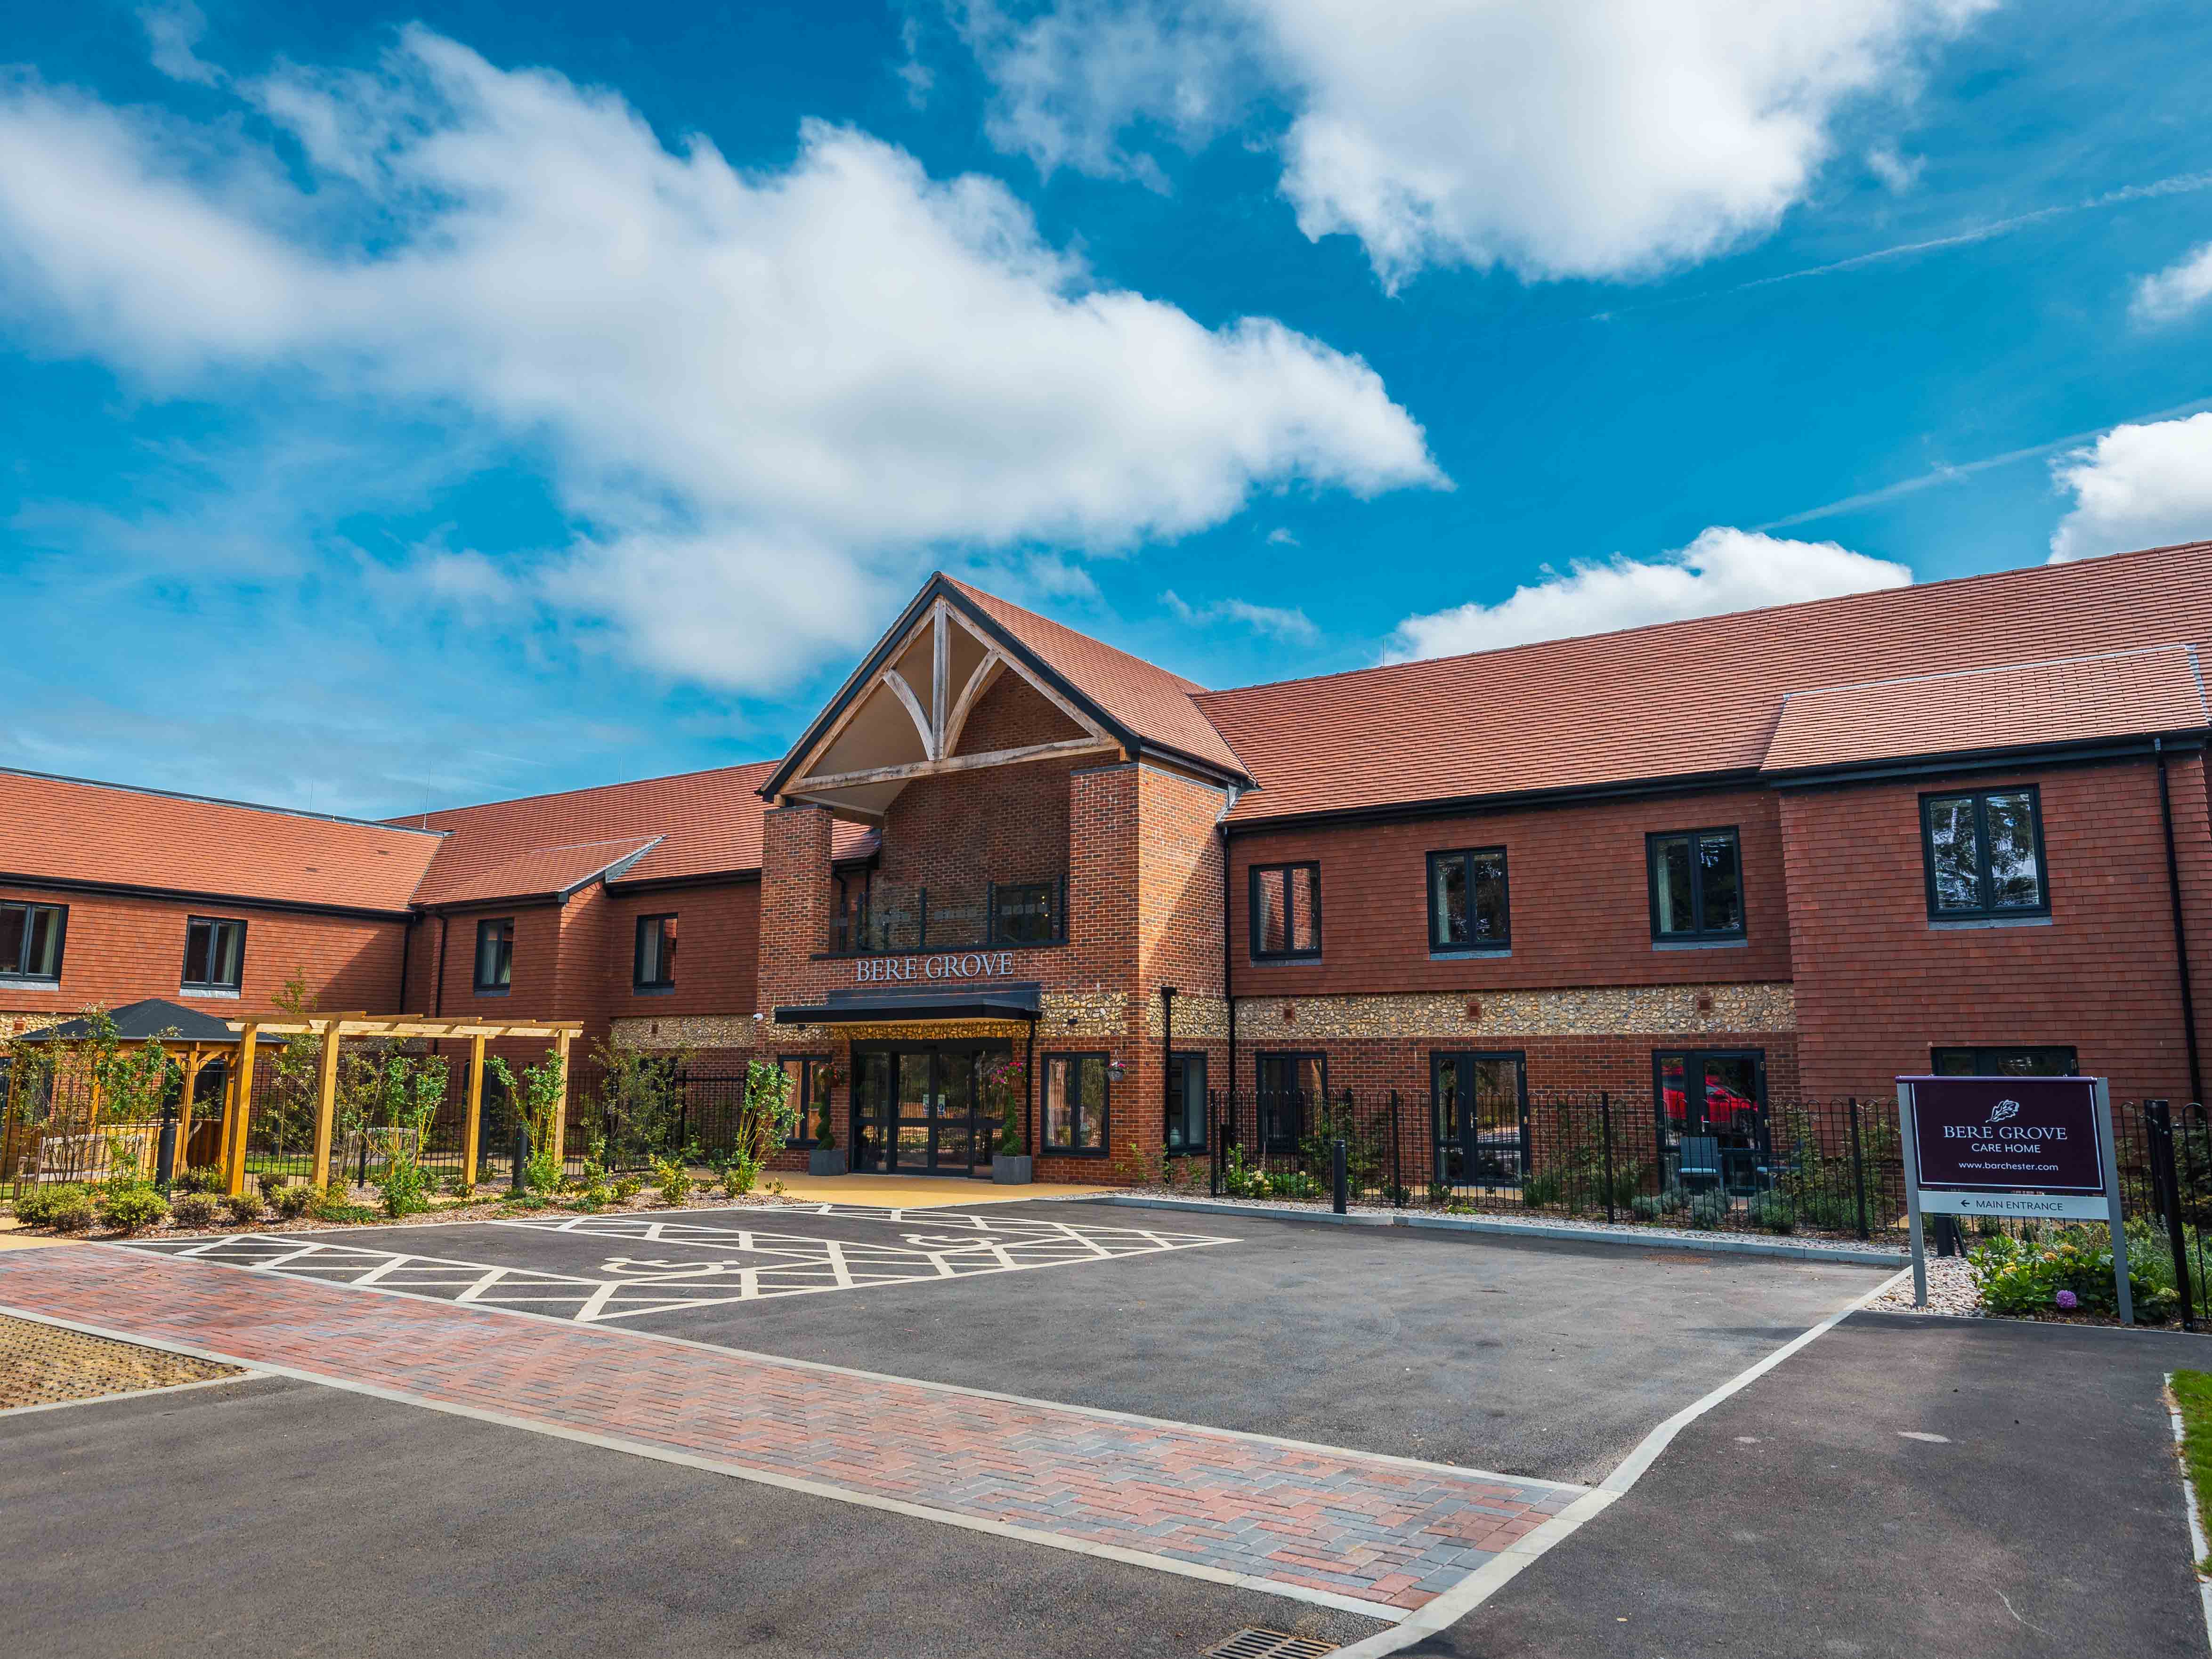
1792	851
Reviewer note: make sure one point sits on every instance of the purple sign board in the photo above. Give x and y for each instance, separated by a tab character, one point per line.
2012	1134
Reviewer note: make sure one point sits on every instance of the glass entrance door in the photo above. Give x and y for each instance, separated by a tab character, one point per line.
915	1108
1480	1106
1712	1118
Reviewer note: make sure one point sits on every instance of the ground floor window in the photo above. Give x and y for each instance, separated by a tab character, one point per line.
1186	1114
1291	1089
1075	1103
808	1093
1711	1111
1479	1114
2006	1059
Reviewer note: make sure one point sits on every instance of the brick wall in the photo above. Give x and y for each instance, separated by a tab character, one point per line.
1878	986
1579	899
717	952
121	948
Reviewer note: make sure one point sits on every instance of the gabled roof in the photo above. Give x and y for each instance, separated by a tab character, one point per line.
70	830
1677	699
545	872
702	824
2073	700
1141	697
135	1022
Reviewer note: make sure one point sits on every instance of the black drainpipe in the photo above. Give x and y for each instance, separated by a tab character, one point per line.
1167	1055
2180	933
406	939
1228	996
438	990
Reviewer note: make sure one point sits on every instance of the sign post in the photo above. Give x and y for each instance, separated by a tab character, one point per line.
2039	1148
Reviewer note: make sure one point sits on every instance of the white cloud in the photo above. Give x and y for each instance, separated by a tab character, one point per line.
766	400
1606	138
1723	569
1279	537
2137	486
2174	293
1275	621
172	32
1899	174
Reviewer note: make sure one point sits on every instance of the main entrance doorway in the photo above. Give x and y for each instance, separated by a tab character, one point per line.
917	1107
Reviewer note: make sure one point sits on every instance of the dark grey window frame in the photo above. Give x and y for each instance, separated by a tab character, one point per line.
1252	911
185	983
1105	1146
18	975
638	982
1185	1058
1985	911
1700	934
1261	1094
810	1067
1503	941
1054	888
1979	1051
477	982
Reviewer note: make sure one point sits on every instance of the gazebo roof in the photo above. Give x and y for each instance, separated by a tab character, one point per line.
135	1022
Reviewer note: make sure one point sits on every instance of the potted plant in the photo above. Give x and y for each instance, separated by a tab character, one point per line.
826	1158
1004	1082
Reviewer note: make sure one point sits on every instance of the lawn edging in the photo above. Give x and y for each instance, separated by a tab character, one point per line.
1848	1255
2190	1402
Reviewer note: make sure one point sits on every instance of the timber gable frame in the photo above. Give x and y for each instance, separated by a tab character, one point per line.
942	614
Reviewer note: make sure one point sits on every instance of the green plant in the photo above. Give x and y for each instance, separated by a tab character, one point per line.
271	1184
1239	1179
1710	1210
1772	1212
335	1204
291	1203
36	1208
133	1209
537	1092
627	1188
242	1209
70	1213
1005	1079
673	1181
2026	1277
641	1097
192	1209
739	1174
769	1117
206	1179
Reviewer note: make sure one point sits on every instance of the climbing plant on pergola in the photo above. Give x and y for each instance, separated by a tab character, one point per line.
332	1030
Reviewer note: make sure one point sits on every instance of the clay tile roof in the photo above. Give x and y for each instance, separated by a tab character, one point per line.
2071	699
1676	699
704	823
1142	696
543	872
72	830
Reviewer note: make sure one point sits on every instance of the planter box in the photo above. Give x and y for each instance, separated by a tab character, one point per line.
825	1161
1010	1171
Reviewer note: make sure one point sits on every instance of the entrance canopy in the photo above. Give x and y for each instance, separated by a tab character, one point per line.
896	1004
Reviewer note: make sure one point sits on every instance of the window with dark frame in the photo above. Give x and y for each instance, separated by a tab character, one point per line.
1076	1099
1024	913
807	1092
1468	908
31	937
1293	1088
215	954
1286	911
1697	885
495	955
652	965
1984	850
1186	1112
2006	1059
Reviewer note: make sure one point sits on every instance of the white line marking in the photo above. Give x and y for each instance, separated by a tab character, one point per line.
1375	1610
1471	1592
2198	1548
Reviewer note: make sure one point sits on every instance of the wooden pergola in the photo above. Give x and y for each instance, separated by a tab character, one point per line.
334	1029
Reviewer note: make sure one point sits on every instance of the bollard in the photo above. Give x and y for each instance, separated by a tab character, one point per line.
1336	1172
165	1162
521	1152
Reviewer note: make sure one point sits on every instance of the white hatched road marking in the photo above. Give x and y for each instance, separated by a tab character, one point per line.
767	1265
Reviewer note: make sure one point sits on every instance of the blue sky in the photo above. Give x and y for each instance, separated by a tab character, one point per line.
402	408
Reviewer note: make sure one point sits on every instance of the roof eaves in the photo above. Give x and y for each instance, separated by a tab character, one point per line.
2009	758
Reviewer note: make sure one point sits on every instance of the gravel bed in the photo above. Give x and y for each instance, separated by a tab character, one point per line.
45	1365
1550	1224
1950	1290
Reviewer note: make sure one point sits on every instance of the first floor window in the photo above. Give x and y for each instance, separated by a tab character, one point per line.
1291	1091
215	954
495	954
1697	885
1984	854
31	940
1467	901
1285	910
1075	1103
1023	913
1186	1126
2006	1059
809	1094
654	966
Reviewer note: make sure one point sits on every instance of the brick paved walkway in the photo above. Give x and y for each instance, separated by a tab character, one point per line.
1357	1529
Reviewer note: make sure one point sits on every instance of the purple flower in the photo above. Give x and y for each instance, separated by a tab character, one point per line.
2067	1300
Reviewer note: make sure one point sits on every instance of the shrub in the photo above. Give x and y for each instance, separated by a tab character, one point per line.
192	1209
242	1209
290	1203
1709	1210
271	1184
627	1189
673	1179
1772	1212
36	1208
133	1209
1665	1206
70	1212
335	1204
2026	1277
740	1175
206	1179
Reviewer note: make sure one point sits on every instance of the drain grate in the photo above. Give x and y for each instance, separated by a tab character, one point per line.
1254	1643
